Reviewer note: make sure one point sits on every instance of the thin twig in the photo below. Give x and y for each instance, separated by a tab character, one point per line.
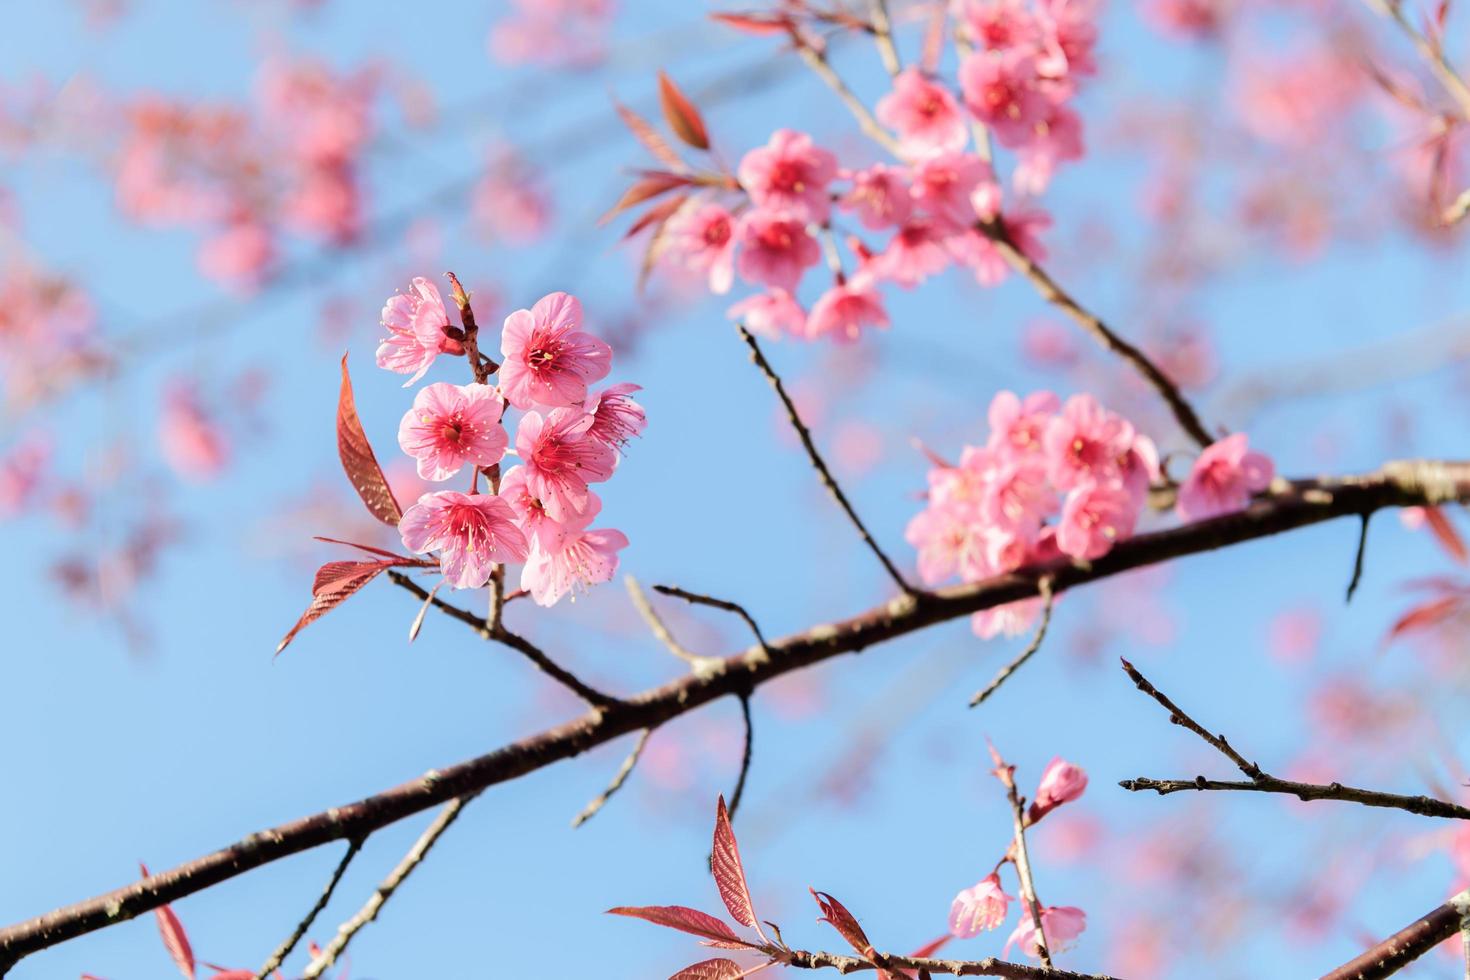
1263	782
744	758
978	129
515	641
818	63
700	664
1043	586
988	967
1023	862
1433	54
289	943
883	33
725	604
385	890
1358	557
828	480
621	776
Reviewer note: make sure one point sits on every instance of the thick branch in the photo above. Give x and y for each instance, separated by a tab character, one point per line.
988	967
1409	943
1397	484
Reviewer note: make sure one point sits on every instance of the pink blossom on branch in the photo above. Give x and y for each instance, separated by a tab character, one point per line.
450	425
1223	479
927	118
775	249
1061	782
701	237
1061	926
472	533
1003	91
415	322
770	314
880	196
980	908
616	417
561	457
1094	518
530	512
549	359
576	560
844	310
790	173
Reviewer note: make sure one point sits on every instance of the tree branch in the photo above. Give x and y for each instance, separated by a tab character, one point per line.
1043	585
621	776
725	604
1022	860
988	967
1404	483
1409	943
289	943
745	757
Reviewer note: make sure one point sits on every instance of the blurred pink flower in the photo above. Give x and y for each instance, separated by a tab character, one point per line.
1094	518
790	174
925	115
1223	479
1061	925
576	560
770	314
1061	782
701	237
775	248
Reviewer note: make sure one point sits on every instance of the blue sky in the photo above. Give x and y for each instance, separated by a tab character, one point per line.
116	757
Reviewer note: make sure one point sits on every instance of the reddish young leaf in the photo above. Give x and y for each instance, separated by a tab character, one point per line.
655	246
232	974
175	940
684	919
644	132
683	118
931	947
1445	533
716	969
335	583
1425	615
358	459
652	185
837	915
758	24
656	215
729	873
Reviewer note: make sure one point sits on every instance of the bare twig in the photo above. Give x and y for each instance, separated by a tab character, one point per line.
1259	781
830	482
817	61
744	757
1404	483
883	33
1043	586
988	967
1432	53
384	891
1022	861
1358	557
621	776
289	943
1409	943
515	641
725	604
661	630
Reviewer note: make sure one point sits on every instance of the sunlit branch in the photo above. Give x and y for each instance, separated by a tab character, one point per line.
660	629
1404	483
1022	860
817	61
828	480
384	891
515	641
883	33
1259	781
1409	943
621	776
988	967
1043	586
725	604
289	943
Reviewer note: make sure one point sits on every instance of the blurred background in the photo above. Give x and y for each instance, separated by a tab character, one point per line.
204	204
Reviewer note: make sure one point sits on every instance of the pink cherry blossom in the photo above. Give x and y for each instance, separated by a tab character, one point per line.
1017	496
450	425
191	439
616	417
1085	443
549	359
944	182
472	533
21	472
1068	40
1094	518
925	115
561	458
880	196
415	322
946	540
701	236
775	249
842	311
577	559
770	314
1057	140
1002	90
1061	782
1061	926
1000	25
979	908
915	253
790	173
1011	619
1016	427
239	256
1223	479
531	516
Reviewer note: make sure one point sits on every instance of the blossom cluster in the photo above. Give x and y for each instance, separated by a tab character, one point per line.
985	905
567	438
1057	480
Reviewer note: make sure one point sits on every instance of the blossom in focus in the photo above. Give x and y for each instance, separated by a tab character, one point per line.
1061	925
979	908
450	425
576	560
415	322
616	417
472	533
561	457
549	359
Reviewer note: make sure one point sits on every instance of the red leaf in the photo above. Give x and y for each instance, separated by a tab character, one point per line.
729	873
656	240
1444	532
756	23
1425	615
335	583
652	185
684	919
716	969
361	547
233	975
931	947
175	940
836	914
644	132
683	118
358	459
657	214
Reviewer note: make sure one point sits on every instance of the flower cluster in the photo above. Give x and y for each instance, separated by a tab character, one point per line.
1059	479
985	905
568	438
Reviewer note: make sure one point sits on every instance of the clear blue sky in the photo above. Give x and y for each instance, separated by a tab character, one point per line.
114	757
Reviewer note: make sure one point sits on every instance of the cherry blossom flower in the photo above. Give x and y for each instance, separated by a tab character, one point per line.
946	540
880	196
1000	25
450	425
844	310
1061	926
239	256
1017	496
775	249
1085	443
770	314
531	516
701	236
578	559
1061	782
1011	619
1094	518
549	359
616	417
1223	479
1002	91
980	908
1016	427
415	322
561	458
472	533
914	254
944	182
925	115
192	442
790	173
1058	139
21	471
